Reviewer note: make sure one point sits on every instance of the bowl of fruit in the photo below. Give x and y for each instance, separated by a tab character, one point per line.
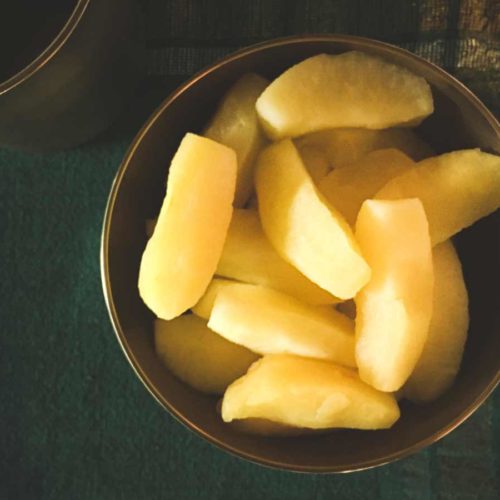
300	253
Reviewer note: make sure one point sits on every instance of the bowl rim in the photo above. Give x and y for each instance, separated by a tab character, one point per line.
362	42
50	51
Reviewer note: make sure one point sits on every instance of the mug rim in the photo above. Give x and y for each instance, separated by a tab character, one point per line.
362	42
49	52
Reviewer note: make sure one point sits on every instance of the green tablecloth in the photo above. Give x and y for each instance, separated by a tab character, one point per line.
74	420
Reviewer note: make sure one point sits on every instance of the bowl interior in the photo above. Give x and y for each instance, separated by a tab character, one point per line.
458	122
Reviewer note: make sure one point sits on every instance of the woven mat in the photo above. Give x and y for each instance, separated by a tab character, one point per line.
75	423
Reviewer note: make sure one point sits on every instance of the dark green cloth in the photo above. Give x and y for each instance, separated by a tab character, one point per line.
75	423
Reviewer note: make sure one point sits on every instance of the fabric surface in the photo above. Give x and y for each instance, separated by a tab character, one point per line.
75	422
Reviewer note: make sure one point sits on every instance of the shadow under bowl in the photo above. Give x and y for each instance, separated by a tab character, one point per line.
460	121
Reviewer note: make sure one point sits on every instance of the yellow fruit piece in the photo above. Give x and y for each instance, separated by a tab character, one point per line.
181	256
440	361
394	309
347	188
302	227
267	322
456	190
236	125
315	161
343	146
248	256
198	356
204	307
307	393
347	90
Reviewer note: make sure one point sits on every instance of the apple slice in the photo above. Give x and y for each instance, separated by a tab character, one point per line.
456	190
395	308
204	306
181	256
307	393
347	188
440	361
267	322
235	124
347	90
198	356
248	256
343	146
302	227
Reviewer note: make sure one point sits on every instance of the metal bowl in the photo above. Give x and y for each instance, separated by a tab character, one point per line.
460	121
67	83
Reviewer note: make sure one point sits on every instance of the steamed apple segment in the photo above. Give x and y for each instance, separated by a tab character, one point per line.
440	361
343	146
315	161
302	227
198	356
267	322
347	90
204	306
307	393
248	256
455	188
236	125
347	188
394	309
182	254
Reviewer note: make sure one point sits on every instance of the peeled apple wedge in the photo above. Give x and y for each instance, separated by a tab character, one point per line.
248	256
353	89
343	146
316	162
204	307
268	322
440	360
347	188
198	356
236	125
456	189
302	227
394	309
182	254
307	393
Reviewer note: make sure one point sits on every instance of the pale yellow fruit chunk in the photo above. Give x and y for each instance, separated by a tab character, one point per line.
198	356
347	188
308	393
236	125
456	190
181	256
347	90
248	256
440	360
343	146
302	227
204	307
267	322
394	309
316	163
